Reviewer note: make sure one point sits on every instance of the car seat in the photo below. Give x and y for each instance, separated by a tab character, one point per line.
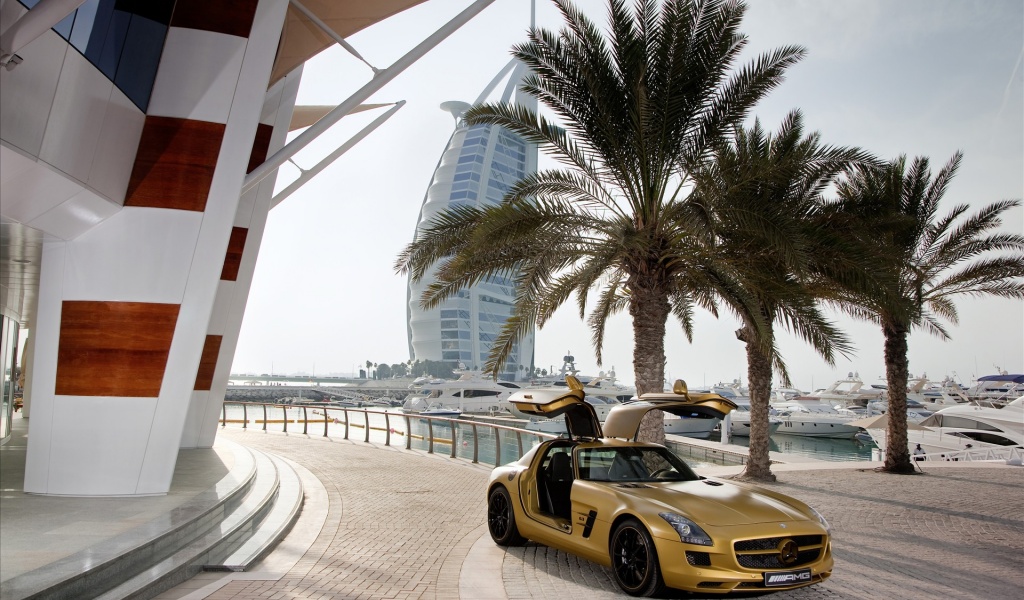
559	484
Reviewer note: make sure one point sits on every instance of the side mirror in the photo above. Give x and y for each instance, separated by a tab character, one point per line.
680	389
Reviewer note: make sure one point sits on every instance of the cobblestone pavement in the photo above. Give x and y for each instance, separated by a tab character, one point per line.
400	525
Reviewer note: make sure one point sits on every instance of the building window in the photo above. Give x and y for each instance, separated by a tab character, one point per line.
122	38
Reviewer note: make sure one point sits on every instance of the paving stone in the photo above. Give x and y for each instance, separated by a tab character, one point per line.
400	524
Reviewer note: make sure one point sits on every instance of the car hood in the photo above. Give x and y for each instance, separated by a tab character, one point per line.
715	503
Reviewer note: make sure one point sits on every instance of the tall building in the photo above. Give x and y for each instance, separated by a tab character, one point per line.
478	166
139	143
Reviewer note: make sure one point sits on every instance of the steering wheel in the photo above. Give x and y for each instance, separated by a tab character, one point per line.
666	473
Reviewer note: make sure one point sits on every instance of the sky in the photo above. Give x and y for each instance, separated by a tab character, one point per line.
916	77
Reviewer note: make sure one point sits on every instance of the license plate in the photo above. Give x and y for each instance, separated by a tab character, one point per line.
782	578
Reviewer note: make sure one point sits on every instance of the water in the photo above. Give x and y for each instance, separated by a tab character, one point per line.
810	447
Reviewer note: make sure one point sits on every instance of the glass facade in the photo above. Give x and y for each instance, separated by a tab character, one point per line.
121	38
478	168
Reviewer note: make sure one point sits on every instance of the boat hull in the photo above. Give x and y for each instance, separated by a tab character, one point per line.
822	429
695	428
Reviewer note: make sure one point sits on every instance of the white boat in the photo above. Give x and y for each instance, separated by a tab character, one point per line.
440	411
696	426
740	421
815	420
935	396
966	427
996	390
471	393
847	392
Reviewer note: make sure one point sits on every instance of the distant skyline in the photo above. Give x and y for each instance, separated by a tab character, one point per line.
919	77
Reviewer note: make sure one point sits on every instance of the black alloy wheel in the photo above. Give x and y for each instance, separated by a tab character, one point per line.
635	560
501	519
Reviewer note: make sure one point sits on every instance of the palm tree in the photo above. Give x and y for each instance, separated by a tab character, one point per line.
636	111
759	198
929	260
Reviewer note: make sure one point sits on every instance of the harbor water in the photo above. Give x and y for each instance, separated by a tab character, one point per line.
812	447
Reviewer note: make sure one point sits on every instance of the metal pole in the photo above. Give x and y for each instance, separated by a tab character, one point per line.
408	433
224	415
305	421
284	409
245	415
497	447
344	411
476	445
430	427
387	429
378	81
331	33
326	416
264	416
366	414
308	174
31	25
454	437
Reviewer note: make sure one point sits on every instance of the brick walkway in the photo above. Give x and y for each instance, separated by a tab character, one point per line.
401	524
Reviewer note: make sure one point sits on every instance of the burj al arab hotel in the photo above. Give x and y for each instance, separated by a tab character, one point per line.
478	166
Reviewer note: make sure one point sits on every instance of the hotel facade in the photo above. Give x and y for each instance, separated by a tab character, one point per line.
478	166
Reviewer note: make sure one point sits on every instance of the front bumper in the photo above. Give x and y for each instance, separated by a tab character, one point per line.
716	569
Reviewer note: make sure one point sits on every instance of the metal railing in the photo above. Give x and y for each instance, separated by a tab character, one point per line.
1005	453
460	438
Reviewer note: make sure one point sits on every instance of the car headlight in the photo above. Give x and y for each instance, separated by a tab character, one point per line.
821	519
688	531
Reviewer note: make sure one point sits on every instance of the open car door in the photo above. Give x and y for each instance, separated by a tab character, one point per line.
623	421
580	418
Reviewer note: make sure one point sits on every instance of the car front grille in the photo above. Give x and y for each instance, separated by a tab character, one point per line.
698	559
763	553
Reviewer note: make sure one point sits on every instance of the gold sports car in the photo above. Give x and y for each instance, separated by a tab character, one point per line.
639	509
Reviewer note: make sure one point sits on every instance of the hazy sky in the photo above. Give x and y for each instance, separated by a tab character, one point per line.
915	77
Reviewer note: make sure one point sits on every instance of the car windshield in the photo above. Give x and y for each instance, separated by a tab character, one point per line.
632	464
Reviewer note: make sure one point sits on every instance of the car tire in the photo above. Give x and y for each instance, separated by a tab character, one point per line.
635	560
501	519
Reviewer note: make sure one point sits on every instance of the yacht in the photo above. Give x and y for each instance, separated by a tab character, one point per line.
996	390
740	420
740	417
816	420
936	396
966	427
916	411
695	426
471	394
848	392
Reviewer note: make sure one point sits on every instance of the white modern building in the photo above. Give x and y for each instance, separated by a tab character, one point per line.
139	143
478	166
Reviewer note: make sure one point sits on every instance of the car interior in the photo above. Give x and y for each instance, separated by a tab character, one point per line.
555	483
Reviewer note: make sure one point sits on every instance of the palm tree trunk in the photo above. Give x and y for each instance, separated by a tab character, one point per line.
897	451
759	377
649	310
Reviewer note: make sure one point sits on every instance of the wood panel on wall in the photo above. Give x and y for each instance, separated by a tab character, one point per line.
233	257
114	348
174	164
260	146
208	362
